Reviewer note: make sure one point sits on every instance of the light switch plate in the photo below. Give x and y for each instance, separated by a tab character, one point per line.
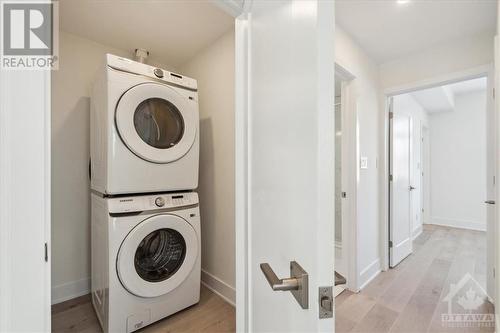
363	164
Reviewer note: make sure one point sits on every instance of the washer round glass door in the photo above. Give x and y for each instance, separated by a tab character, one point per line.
156	123
157	255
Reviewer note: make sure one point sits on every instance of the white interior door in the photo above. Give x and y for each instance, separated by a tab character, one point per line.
284	161
24	201
400	226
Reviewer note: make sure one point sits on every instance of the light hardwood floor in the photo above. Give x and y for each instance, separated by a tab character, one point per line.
409	298
212	314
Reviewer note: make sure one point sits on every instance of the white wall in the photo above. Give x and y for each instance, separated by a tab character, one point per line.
458	163
442	60
406	104
366	88
214	70
78	63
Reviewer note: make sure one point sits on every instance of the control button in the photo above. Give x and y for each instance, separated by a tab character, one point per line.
160	202
158	72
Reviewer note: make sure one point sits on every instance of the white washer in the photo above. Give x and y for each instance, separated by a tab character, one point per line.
145	258
144	134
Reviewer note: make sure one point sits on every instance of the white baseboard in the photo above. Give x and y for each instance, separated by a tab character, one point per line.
417	231
369	273
219	287
464	224
69	290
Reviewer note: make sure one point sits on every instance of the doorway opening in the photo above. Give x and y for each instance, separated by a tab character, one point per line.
345	181
441	182
174	96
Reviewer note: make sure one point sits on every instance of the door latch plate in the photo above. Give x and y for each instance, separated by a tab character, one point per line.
325	298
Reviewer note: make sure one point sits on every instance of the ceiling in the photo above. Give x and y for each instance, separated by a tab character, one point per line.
173	31
442	99
388	30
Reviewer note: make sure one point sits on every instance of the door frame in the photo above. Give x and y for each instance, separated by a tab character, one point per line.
350	157
469	74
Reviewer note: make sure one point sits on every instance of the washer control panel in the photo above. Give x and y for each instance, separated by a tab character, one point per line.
151	202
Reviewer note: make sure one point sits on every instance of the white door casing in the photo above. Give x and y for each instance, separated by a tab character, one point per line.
400	226
350	174
496	230
284	160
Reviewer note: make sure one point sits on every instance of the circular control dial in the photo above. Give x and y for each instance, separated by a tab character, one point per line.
158	72
160	202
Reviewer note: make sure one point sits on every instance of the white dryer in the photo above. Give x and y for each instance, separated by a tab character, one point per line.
144	134
145	258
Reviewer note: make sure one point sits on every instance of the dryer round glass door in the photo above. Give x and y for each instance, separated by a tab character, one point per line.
156	123
157	255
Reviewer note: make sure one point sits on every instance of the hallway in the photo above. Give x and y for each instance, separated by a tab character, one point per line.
409	298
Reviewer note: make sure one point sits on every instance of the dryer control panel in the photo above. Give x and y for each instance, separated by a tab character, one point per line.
149	202
134	67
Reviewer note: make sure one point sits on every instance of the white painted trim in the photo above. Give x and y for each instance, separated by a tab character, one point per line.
350	158
369	273
468	74
456	223
496	231
384	184
417	231
66	291
242	202
476	72
219	287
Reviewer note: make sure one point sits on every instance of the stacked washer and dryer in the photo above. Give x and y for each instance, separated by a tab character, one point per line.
145	231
